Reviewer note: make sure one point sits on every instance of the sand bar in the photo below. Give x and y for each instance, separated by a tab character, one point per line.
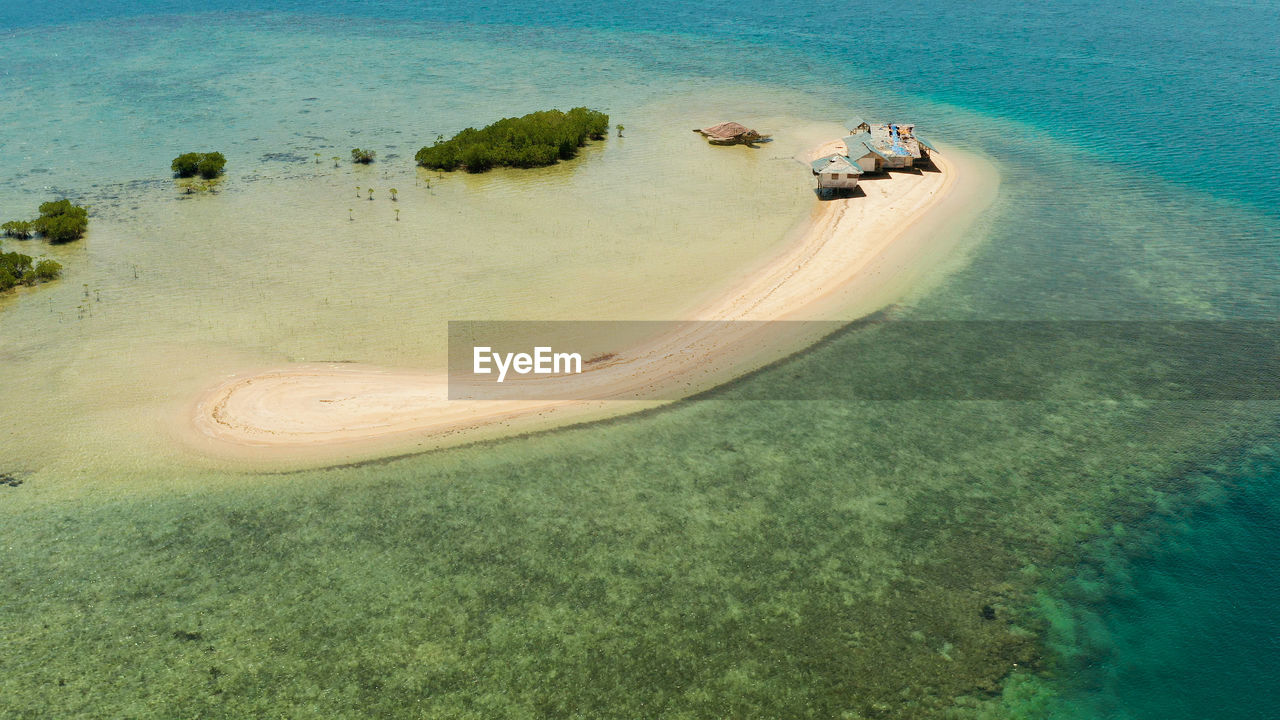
853	256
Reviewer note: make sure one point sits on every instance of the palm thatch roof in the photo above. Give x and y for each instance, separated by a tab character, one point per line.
727	133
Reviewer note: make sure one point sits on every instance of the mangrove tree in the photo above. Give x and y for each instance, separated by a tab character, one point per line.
533	140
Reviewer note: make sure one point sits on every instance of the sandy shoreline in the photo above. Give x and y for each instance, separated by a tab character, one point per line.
853	256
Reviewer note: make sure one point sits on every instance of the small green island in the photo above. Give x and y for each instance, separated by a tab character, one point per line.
534	140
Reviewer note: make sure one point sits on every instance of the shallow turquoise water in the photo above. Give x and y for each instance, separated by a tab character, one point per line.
1168	88
1136	184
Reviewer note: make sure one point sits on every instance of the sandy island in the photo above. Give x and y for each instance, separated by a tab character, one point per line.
853	256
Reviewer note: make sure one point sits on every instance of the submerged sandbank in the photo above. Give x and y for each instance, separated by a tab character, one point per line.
851	257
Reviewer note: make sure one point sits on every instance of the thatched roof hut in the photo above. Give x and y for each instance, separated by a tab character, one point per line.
730	133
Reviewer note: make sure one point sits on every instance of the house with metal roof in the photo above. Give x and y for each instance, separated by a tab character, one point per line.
863	151
925	146
898	141
885	146
835	172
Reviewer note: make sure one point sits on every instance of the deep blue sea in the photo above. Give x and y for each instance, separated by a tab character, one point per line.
1182	95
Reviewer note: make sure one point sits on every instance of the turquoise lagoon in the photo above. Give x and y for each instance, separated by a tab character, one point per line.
729	556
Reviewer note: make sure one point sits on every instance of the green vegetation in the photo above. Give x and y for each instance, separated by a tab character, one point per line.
14	267
20	229
17	269
46	270
534	140
620	129
364	157
60	221
186	165
207	165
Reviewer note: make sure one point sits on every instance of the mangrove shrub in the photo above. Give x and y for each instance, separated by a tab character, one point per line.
47	270
207	165
20	229
534	140
60	221
17	269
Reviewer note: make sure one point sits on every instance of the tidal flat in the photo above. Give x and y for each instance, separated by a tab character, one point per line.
778	547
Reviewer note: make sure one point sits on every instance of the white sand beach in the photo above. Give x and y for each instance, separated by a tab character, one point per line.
853	256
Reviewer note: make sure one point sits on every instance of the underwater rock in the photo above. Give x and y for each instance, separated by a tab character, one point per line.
290	157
